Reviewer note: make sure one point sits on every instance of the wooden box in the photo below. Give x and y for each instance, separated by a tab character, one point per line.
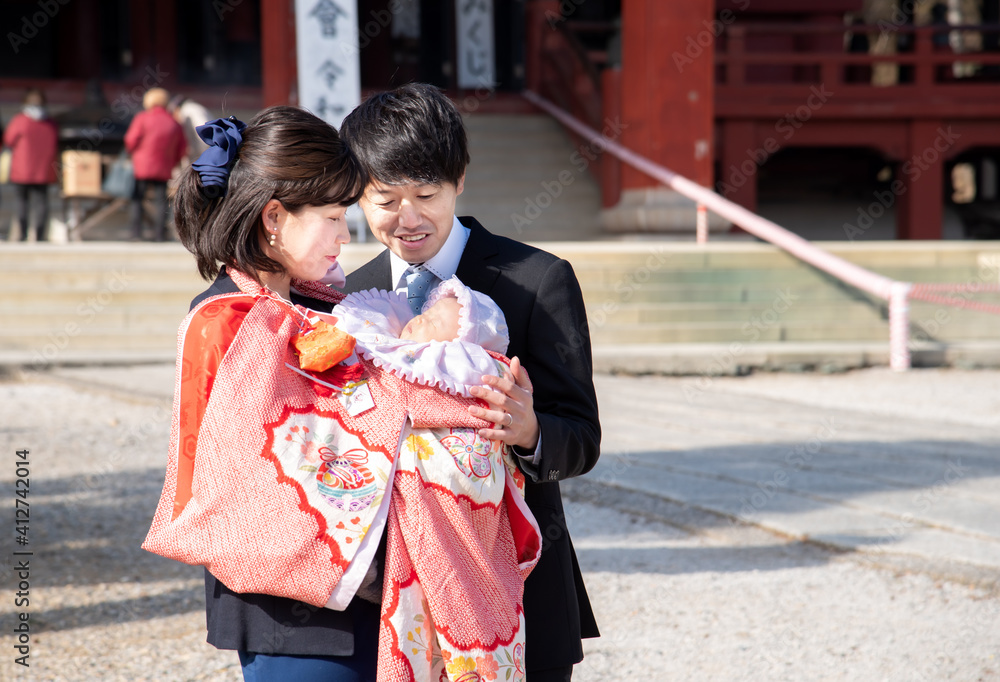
81	173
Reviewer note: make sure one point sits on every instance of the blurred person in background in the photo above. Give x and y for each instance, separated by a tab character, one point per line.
33	139
190	114
156	143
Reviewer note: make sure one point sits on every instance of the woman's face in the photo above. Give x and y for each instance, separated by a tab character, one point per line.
308	241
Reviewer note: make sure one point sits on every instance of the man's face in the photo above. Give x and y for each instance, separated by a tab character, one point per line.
412	220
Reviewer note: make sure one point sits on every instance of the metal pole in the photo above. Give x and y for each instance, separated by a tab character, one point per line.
702	224
899	326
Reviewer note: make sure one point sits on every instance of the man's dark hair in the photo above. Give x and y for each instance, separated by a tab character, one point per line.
411	134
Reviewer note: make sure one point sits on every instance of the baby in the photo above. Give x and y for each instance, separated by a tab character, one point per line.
438	323
468	478
446	345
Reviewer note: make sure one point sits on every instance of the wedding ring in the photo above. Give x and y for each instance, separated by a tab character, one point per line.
509	421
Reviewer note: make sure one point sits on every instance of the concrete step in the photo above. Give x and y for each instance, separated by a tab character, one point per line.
124	315
657	313
765	293
743	332
52	346
524	160
653	334
500	124
70	301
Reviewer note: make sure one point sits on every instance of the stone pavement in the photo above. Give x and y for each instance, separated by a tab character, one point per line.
902	468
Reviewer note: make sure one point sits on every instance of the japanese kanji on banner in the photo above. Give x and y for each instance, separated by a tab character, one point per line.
476	62
326	33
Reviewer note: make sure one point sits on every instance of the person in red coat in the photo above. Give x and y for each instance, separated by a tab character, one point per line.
156	142
33	139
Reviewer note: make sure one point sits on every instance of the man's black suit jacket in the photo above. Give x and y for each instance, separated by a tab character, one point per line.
541	299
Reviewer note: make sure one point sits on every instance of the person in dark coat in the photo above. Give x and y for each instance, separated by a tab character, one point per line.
34	142
157	144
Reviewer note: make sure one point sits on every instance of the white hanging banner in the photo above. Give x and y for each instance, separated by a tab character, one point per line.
329	65
476	61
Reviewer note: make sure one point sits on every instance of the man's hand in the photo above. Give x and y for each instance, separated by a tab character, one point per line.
511	407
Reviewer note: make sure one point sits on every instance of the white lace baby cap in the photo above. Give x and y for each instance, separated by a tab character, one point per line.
480	320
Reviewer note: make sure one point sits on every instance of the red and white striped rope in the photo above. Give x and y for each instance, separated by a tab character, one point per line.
979	306
973	287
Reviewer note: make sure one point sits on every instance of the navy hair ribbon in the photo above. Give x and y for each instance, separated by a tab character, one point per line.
223	137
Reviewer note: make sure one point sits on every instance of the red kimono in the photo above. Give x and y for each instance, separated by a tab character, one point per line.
277	482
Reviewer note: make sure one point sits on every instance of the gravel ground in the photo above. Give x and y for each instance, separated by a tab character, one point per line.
686	599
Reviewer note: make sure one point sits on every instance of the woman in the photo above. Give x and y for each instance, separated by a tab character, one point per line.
278	480
33	138
156	142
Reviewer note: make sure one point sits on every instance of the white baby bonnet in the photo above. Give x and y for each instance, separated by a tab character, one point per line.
376	317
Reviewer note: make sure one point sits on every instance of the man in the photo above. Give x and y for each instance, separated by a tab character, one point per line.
412	143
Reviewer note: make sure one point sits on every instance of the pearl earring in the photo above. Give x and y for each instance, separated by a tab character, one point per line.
272	238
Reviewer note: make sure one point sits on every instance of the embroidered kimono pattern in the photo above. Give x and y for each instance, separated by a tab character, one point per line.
437	603
278	486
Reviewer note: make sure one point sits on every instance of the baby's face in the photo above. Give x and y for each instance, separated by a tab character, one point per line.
438	323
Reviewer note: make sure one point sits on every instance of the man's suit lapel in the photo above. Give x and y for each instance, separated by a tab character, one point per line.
375	274
473	268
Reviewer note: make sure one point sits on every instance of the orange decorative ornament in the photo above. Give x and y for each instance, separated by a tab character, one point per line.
322	347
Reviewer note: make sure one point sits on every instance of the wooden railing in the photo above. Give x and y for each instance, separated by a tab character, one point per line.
737	59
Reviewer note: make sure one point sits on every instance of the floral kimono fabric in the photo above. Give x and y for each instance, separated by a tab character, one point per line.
279	484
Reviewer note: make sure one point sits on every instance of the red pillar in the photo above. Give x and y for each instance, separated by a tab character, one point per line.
539	16
920	211
277	36
668	86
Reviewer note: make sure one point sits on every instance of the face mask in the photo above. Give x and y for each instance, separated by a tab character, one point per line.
34	112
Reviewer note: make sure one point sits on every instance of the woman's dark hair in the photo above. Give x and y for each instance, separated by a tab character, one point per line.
411	134
287	154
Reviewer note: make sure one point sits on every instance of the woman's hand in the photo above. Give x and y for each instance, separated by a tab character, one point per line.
511	407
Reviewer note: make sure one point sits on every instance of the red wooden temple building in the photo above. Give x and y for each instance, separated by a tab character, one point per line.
716	90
